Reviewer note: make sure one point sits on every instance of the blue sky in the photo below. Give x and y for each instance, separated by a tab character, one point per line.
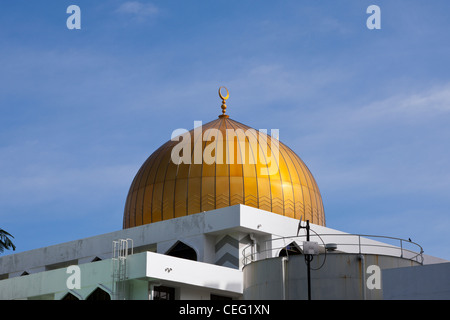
367	110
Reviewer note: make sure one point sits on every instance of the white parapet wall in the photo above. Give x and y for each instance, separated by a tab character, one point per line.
146	267
218	237
186	272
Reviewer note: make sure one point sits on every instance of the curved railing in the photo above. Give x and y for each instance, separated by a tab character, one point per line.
345	243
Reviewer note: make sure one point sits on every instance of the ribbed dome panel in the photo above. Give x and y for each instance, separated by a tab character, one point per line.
235	173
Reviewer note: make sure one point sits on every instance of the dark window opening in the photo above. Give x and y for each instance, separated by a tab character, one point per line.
219	297
70	297
99	294
181	250
290	250
163	293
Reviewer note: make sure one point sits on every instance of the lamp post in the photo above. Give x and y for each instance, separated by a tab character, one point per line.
308	258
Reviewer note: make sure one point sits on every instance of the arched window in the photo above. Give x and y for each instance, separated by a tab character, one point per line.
99	294
69	296
290	250
182	250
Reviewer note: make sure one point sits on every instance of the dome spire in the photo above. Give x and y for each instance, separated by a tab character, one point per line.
223	106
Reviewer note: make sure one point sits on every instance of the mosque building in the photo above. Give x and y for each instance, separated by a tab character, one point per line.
225	211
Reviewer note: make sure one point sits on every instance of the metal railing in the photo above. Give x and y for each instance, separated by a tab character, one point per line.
341	243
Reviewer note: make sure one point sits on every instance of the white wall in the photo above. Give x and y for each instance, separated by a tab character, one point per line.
421	282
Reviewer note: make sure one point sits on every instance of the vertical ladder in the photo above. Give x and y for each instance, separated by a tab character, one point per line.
120	250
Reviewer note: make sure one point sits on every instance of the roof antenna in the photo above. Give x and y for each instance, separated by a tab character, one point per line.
308	256
299	225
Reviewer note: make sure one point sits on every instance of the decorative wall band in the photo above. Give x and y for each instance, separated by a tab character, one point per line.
227	240
229	259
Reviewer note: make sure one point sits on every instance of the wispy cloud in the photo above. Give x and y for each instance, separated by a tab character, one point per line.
138	9
396	143
417	106
43	185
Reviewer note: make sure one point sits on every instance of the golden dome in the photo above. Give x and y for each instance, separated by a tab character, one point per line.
220	164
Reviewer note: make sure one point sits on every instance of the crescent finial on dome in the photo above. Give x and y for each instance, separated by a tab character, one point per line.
224	98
